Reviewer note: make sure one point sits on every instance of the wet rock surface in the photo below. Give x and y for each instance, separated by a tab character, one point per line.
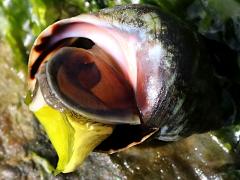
25	150
196	157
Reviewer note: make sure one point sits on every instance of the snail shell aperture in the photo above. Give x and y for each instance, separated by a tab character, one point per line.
135	67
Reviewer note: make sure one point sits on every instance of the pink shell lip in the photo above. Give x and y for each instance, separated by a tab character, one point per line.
122	46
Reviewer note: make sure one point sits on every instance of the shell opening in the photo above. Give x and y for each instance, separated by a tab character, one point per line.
88	82
94	39
104	88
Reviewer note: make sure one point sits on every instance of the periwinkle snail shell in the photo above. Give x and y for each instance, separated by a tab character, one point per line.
168	71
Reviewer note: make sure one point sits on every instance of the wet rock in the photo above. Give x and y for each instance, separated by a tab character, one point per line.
9	172
101	166
196	157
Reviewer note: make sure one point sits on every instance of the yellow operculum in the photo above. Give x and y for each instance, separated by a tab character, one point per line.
72	137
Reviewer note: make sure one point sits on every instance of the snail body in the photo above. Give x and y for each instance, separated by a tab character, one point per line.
134	68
